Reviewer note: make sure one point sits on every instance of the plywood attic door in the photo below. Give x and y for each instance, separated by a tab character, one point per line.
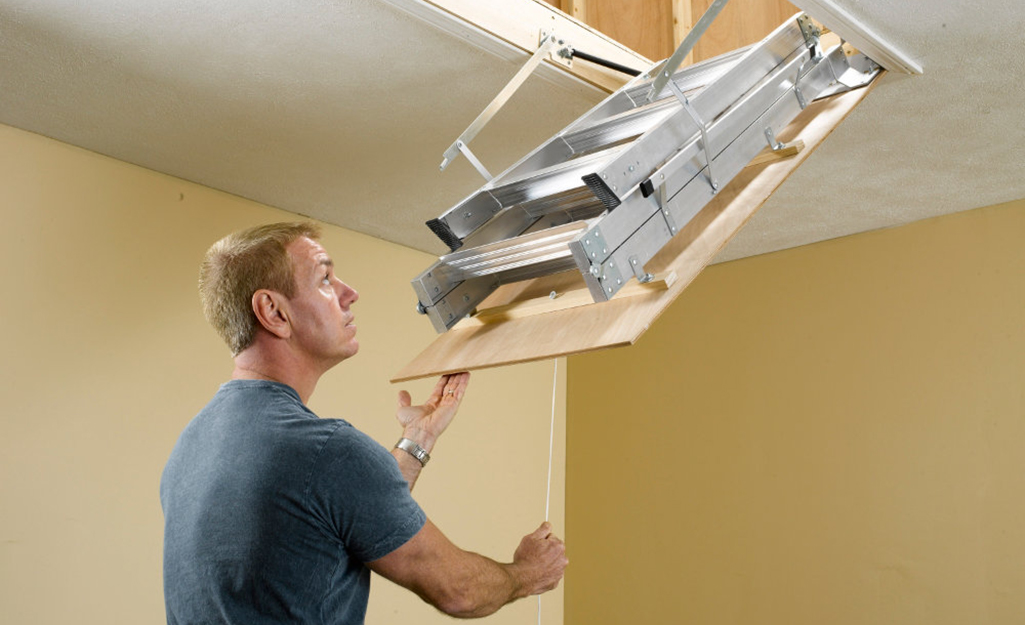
622	320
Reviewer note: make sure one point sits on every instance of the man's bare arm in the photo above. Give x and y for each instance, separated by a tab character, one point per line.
469	585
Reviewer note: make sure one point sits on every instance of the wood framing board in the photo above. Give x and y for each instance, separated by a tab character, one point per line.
519	23
622	320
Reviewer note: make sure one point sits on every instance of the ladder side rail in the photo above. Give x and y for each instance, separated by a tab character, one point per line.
618	117
632	95
475	210
685	204
434	285
459	302
692	76
490	259
495	204
583	135
627	171
688	162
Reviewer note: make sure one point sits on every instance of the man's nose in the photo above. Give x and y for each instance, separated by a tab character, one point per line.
347	295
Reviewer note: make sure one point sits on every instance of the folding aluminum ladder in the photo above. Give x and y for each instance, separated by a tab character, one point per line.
605	194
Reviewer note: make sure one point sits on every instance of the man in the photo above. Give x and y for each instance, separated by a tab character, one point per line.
274	515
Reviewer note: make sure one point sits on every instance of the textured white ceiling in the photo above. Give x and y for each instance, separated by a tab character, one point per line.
951	139
341	109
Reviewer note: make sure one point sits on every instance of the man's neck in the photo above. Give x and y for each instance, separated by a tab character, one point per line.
256	363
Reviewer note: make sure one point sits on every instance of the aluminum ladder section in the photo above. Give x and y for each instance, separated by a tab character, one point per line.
605	194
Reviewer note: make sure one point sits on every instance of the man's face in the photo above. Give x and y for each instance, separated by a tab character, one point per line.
321	320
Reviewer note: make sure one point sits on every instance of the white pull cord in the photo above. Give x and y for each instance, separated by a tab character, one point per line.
551	448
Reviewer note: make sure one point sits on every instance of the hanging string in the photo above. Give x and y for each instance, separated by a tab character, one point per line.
551	448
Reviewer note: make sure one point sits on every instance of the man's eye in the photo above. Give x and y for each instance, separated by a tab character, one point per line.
326	280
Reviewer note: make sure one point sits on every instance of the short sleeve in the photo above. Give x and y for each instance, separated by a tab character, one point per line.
358	492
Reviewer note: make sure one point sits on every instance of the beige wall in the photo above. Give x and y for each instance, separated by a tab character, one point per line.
106	356
829	434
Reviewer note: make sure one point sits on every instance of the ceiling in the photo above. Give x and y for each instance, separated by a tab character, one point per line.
340	110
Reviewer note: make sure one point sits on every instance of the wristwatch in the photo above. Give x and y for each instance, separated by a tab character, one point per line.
413	449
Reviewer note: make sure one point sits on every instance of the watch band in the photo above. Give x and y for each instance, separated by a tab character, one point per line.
413	449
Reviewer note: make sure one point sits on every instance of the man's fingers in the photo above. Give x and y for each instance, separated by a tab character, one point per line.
455	385
405	400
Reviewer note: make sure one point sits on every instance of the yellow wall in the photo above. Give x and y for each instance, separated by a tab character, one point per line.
829	434
106	356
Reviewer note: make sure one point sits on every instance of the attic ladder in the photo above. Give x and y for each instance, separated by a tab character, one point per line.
605	194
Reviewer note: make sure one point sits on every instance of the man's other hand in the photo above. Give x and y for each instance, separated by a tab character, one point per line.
426	422
540	561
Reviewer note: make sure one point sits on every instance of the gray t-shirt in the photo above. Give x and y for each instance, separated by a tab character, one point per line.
270	512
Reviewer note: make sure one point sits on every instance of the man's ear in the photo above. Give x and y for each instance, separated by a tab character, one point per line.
271	309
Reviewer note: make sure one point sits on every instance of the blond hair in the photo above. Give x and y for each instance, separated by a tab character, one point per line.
238	266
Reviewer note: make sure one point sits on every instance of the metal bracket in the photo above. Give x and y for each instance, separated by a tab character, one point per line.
638	268
562	55
797	85
673	63
667	214
465	151
812	33
611	278
775	144
460	144
706	148
595	246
